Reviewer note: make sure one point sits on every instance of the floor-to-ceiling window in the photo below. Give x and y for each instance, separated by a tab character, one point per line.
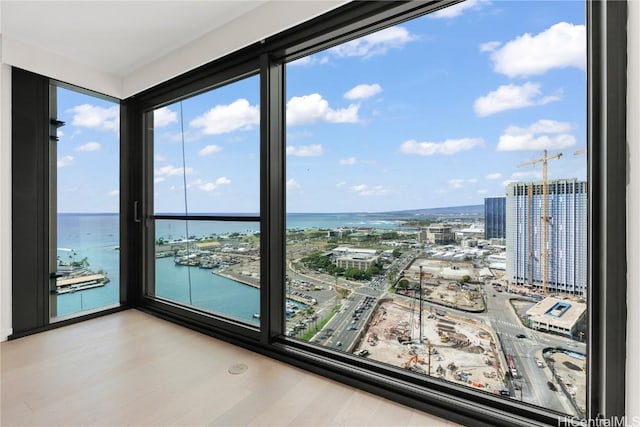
84	202
362	149
205	224
394	140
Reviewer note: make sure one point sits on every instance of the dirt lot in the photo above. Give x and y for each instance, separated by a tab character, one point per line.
460	352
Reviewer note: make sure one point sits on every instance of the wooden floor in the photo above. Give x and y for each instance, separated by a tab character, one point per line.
134	369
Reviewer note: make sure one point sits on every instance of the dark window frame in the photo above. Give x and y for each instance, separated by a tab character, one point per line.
607	48
32	130
606	165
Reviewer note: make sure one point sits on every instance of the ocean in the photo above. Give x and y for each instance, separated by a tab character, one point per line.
96	238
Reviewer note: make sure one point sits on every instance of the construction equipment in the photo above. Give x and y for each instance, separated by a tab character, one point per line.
545	216
412	361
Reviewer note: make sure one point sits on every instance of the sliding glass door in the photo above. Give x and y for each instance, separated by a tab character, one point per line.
205	226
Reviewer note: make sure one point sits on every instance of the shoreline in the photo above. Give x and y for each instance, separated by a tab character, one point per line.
236	279
296	298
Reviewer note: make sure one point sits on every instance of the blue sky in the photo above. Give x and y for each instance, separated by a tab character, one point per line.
437	111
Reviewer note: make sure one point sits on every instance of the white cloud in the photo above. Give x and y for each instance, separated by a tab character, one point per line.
163	117
65	161
541	135
472	180
456	183
208	150
341	184
560	46
210	186
313	108
458	9
525	175
305	150
292	184
94	117
365	190
170	170
159	179
533	175
363	91
159	157
374	44
483	191
114	193
509	97
490	46
239	115
495	175
310	60
59	133
450	146
349	161
89	146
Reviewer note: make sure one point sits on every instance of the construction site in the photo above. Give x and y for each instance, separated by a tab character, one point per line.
447	283
433	344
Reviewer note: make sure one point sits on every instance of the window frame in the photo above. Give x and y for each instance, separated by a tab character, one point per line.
32	194
606	166
193	84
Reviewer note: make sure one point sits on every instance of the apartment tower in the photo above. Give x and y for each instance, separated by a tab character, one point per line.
566	243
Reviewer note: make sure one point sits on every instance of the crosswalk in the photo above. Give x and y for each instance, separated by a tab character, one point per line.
507	323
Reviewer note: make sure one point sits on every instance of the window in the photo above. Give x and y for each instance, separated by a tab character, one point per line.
66	224
395	140
84	202
386	132
206	202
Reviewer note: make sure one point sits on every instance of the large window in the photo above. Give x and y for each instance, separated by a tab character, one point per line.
394	142
416	198
84	202
206	201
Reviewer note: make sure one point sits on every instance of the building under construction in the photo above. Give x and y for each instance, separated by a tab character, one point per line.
547	240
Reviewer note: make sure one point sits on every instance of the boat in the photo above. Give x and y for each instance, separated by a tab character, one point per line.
256	315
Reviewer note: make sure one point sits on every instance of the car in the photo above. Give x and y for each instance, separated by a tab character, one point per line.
521	336
339	344
539	363
363	352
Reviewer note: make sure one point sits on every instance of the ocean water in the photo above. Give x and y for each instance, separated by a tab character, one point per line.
96	238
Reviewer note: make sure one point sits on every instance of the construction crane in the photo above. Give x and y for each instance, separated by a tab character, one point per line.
545	216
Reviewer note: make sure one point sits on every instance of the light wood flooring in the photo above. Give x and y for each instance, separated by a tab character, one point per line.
131	368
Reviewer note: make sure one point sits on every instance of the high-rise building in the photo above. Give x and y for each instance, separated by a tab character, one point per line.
495	217
566	242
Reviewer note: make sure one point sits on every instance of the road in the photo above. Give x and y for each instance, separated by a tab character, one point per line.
533	379
345	329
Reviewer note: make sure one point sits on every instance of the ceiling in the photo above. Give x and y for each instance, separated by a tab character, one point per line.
120	48
116	37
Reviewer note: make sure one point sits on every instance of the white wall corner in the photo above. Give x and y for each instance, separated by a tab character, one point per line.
35	59
268	19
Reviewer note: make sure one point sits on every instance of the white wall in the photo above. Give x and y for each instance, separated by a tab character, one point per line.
633	212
